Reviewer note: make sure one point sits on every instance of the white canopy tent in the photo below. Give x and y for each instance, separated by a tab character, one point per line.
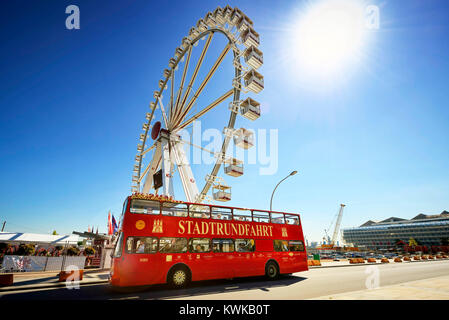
18	237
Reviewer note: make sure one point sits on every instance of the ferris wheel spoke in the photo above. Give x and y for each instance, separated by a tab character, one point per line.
148	150
181	87
206	109
195	73
163	112
185	172
209	75
171	96
151	168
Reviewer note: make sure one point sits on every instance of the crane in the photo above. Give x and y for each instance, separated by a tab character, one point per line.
337	227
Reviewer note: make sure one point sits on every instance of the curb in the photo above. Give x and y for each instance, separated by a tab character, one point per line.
48	285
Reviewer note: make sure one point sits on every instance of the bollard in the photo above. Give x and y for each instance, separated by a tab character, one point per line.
63	275
6	279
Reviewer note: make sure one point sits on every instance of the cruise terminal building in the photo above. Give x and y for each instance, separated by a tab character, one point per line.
426	230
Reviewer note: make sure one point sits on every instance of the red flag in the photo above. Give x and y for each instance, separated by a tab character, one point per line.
110	231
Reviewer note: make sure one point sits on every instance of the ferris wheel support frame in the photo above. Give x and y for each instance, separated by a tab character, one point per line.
168	148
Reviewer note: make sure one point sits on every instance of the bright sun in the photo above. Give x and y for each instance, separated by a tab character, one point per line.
328	36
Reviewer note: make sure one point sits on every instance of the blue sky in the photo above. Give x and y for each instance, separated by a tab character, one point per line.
72	103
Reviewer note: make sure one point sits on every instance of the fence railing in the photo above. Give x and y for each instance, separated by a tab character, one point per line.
39	263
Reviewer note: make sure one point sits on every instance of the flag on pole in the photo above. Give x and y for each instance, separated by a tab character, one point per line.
114	225
110	231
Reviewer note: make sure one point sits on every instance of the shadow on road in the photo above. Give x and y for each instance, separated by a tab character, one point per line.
104	292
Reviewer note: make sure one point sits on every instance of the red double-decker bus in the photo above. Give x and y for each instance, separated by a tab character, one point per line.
164	241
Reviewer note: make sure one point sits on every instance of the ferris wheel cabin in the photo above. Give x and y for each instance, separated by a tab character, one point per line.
185	42
244	23
218	15
234	168
253	57
193	33
244	138
227	12
254	81
178	52
250	37
250	109
210	20
221	192
236	15
201	25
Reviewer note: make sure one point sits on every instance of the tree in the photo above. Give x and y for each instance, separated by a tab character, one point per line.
72	251
54	233
4	247
25	250
89	251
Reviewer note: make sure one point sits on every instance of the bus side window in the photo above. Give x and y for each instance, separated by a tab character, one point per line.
172	245
144	206
197	245
171	209
277	217
221	213
199	211
242	215
296	245
141	245
292	219
222	245
244	245
280	245
261	216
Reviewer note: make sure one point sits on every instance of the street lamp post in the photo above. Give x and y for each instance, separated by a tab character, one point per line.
271	201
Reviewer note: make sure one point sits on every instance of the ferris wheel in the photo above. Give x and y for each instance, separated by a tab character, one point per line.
176	106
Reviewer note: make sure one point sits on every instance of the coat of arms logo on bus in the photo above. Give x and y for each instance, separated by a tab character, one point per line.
284	232
157	226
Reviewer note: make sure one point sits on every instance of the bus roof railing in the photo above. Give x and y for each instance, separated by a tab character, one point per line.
164	200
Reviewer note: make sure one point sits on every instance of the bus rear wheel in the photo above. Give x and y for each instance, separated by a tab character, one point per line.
178	277
271	270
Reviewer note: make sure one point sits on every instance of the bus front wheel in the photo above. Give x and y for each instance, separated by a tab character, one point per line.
271	270
179	277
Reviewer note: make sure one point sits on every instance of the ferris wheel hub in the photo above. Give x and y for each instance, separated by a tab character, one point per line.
155	131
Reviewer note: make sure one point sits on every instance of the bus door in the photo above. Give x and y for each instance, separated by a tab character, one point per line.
201	258
281	253
223	257
139	263
298	257
245	257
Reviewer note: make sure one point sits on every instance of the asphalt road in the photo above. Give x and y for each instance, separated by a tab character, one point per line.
305	285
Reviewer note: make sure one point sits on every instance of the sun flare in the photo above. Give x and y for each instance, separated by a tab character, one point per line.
328	36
